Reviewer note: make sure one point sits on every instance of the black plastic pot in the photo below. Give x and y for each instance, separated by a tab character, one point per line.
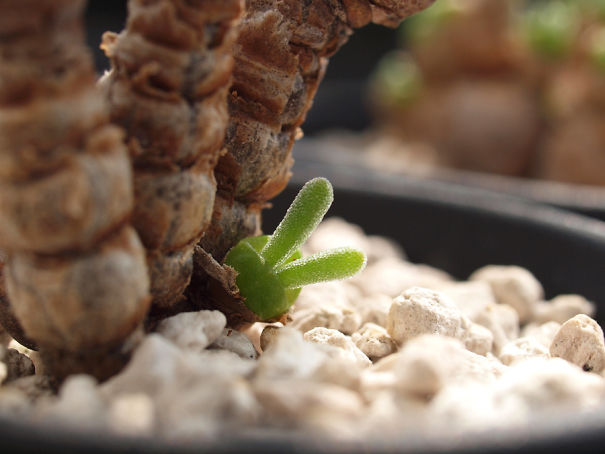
452	227
582	199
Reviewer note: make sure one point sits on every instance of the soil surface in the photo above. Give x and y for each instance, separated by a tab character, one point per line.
399	349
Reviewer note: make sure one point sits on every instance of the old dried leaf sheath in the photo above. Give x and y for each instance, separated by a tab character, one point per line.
171	70
281	56
75	273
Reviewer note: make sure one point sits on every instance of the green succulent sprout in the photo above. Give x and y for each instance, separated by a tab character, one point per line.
550	28
270	268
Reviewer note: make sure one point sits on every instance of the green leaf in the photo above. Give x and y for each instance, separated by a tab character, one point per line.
324	266
258	283
263	292
303	216
270	270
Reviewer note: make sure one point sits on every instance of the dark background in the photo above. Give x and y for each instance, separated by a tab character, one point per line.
341	99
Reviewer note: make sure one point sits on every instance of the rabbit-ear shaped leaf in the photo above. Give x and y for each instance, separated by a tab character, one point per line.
331	265
304	215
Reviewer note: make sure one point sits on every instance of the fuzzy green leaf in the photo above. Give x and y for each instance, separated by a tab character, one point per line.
324	266
303	216
263	292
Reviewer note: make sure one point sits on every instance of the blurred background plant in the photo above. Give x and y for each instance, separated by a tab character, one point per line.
510	87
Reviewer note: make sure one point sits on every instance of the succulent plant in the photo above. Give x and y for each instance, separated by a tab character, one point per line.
270	268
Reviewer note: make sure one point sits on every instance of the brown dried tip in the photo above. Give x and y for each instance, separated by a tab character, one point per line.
214	287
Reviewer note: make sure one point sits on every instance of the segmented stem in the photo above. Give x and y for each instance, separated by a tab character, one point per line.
75	274
171	72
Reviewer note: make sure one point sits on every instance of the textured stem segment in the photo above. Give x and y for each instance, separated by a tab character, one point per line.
171	71
335	264
302	218
75	272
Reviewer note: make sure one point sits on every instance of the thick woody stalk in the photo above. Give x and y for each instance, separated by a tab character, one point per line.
75	270
171	71
281	56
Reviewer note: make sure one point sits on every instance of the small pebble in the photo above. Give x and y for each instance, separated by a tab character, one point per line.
331	316
268	335
391	276
289	356
428	363
193	330
79	403
478	339
17	365
374	341
522	349
375	309
471	297
562	308
514	286
132	414
580	341
543	333
235	342
503	321
422	311
345	344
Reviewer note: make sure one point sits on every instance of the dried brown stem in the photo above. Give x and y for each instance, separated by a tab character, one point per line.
281	56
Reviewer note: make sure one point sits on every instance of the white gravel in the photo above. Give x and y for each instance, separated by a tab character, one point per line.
399	348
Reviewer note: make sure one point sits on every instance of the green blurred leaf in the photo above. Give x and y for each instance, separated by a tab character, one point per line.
550	27
397	79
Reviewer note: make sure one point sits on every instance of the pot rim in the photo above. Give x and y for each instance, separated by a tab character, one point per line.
582	432
580	198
